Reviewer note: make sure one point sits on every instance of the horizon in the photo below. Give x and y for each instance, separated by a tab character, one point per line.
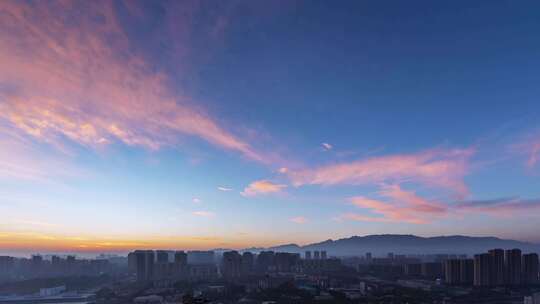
123	252
240	124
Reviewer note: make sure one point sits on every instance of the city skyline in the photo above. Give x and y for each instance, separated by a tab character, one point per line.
236	124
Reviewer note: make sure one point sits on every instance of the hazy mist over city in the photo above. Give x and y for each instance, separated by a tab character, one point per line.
178	151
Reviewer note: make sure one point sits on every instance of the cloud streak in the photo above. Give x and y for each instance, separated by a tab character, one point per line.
72	76
438	168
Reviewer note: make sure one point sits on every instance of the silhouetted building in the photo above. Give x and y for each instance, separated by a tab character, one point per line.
56	261
265	261
197	257
413	270
132	262
248	263
369	257
513	267
529	267
466	271
181	258
482	269
162	256
145	265
452	272
7	264
497	267
231	265
316	255
433	270
323	255
308	255
285	261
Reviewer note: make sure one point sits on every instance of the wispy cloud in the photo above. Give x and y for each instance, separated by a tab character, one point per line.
25	161
327	146
501	206
262	187
72	76
529	146
401	206
299	220
196	200
438	167
203	213
221	188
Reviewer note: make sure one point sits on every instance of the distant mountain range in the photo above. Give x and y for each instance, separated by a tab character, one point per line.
380	245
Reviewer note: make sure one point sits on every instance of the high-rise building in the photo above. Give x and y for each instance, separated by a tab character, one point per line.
145	265
323	255
369	257
413	270
180	258
433	270
513	267
132	263
200	257
265	261
162	256
248	262
231	265
7	264
56	261
308	255
529	267
497	267
285	261
452	272
482	269
466	271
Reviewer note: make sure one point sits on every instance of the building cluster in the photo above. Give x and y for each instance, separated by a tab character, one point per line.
532	299
39	266
497	267
397	265
149	265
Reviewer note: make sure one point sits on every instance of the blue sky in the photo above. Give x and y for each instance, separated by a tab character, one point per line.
200	125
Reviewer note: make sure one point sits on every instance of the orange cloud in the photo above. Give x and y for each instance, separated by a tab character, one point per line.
262	187
67	75
440	168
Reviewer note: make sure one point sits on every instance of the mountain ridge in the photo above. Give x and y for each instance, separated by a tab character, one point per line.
381	244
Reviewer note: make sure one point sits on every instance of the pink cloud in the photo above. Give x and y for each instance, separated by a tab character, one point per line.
262	187
73	76
204	213
530	147
438	167
299	220
24	160
403	206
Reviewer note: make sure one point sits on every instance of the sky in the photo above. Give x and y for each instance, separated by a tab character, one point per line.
231	124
